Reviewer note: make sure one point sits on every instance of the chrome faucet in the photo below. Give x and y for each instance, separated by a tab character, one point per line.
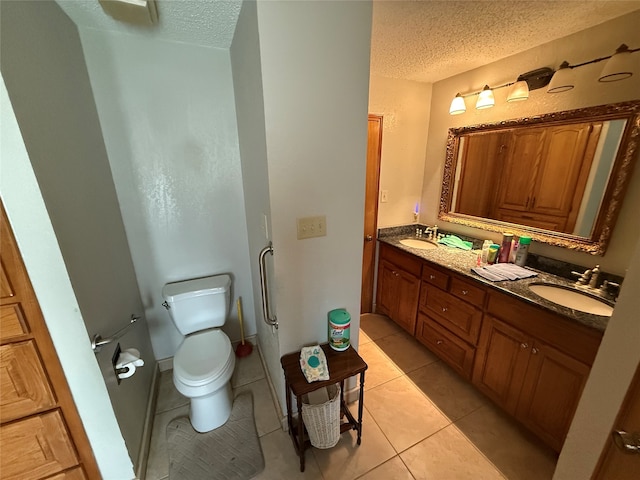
595	276
583	278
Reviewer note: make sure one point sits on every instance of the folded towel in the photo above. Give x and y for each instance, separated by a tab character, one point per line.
314	364
503	271
457	242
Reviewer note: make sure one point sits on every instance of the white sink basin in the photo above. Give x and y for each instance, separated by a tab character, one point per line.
421	244
572	299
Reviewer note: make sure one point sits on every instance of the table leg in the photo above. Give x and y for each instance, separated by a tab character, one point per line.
360	406
301	443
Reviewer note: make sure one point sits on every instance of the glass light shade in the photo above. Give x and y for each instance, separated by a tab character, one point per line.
485	98
562	80
518	91
618	67
457	105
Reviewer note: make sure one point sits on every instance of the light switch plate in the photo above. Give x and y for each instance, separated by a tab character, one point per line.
309	227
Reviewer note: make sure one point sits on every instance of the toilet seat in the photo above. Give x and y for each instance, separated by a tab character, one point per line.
202	358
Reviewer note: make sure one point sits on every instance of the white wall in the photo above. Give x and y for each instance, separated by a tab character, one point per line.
595	42
611	374
46	268
47	81
404	106
315	70
169	122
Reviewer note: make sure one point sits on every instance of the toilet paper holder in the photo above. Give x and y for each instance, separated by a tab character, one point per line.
97	342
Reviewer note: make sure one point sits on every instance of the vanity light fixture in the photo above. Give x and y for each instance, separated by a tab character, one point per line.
457	105
485	98
619	66
519	91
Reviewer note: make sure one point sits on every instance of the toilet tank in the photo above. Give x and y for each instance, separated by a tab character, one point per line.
199	303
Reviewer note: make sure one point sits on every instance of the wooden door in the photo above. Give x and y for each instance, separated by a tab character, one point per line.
374	149
479	168
40	432
553	384
615	464
501	363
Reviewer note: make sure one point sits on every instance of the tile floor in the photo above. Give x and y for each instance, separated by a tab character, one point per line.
421	421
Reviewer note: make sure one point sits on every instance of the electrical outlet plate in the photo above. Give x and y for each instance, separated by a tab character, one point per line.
384	196
309	227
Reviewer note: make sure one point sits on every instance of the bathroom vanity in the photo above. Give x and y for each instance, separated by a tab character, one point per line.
530	356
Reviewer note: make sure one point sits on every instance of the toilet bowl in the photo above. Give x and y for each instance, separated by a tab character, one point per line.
202	370
204	362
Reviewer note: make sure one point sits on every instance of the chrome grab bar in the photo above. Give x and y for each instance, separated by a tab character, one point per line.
266	310
97	342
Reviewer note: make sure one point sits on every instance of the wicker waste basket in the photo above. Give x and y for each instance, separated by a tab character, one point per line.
323	420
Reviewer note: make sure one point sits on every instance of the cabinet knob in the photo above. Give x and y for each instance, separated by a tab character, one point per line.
431	277
524	345
464	292
439	342
534	350
444	309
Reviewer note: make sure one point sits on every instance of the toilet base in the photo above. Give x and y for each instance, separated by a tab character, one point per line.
211	411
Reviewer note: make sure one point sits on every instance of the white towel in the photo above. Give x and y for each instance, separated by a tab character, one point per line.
503	271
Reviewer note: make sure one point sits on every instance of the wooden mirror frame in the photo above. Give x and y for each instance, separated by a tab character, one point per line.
619	178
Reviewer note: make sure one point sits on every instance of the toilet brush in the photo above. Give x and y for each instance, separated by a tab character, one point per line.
245	347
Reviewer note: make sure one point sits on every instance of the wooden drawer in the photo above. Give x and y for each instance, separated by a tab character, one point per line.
468	292
435	277
406	261
458	317
458	354
40	447
576	340
12	322
24	388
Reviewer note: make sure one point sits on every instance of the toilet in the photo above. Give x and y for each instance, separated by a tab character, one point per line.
204	361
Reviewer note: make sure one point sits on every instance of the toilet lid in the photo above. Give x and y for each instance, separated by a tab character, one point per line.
202	357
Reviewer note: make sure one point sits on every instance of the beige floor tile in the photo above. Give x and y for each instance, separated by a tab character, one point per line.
248	369
263	407
453	395
393	469
363	338
168	397
517	454
377	326
448	455
405	351
348	460
380	369
281	461
403	413
158	459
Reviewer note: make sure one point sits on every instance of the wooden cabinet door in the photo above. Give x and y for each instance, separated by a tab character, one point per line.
564	164
501	362
550	393
408	294
386	288
515	179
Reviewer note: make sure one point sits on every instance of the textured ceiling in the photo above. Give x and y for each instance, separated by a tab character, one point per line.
422	40
429	40
201	22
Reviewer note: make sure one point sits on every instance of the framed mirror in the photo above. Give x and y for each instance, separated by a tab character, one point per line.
559	178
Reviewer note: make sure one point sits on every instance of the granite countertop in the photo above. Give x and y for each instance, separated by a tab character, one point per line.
461	262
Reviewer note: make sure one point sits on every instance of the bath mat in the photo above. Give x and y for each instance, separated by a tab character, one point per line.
230	452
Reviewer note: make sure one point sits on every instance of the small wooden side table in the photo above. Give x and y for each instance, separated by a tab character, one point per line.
342	365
